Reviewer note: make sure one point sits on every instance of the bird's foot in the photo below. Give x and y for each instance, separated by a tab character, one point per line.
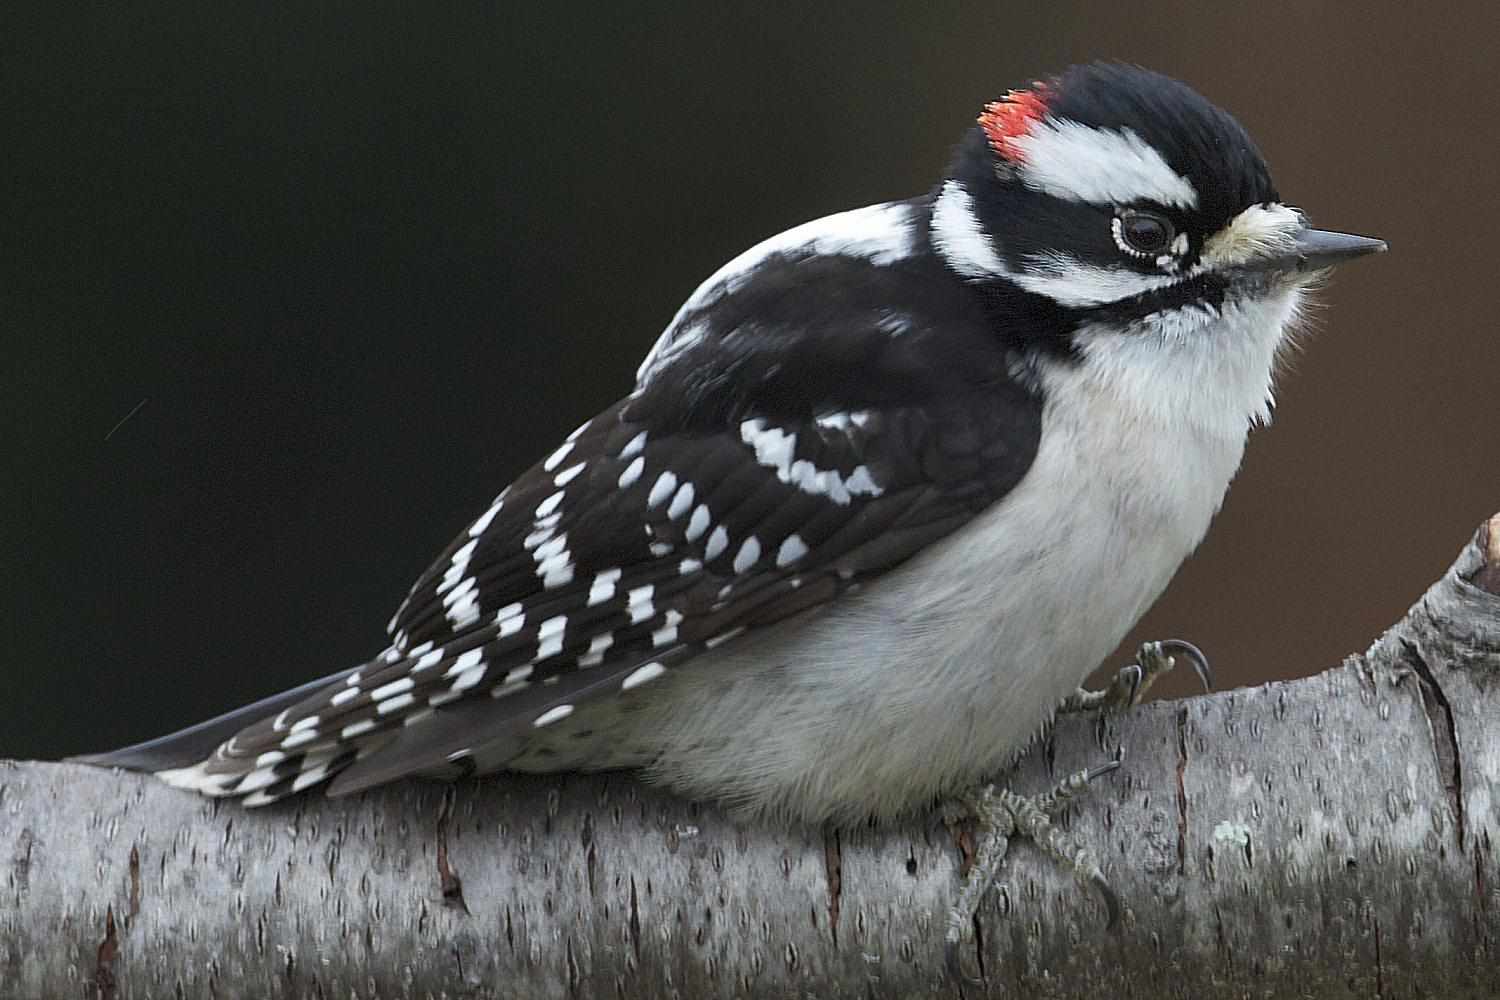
1001	814
1133	680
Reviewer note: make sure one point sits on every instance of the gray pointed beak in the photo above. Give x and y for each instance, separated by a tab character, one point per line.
1315	249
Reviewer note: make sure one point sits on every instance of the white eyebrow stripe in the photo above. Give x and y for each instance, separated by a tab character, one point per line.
1102	166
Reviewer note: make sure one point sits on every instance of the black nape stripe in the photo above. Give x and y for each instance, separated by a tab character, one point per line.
1026	320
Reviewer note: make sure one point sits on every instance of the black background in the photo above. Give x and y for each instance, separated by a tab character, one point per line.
287	296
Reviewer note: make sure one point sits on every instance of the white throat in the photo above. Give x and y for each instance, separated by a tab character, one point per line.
1210	369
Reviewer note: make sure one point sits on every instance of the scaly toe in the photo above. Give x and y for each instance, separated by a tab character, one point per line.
1002	814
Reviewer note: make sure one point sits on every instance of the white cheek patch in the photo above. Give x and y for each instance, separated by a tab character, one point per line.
1258	231
1101	166
881	234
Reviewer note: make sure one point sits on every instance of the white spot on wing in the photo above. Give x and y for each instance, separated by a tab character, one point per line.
634	445
641	675
298	739
395	687
550	636
681	501
457	593
640	603
717	543
567	475
510	619
551	547
555	459
557	571
774	448
552	715
698	523
860	482
667	634
748	555
632	472
550	504
464	605
464	662
354	729
844	421
482	524
597	645
603	587
540	535
458	565
792	549
665	485
395	704
469	678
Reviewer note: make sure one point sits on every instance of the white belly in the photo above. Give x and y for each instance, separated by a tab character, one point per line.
940	672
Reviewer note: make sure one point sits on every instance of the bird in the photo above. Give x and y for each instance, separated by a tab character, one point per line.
886	489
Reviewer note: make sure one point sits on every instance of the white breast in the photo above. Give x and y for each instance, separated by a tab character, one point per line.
940	672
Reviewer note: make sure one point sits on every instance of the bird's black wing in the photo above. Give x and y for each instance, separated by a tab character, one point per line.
695	510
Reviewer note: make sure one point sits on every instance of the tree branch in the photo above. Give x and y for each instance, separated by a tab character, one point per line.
1328	837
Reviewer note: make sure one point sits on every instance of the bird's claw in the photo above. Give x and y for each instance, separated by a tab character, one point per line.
1133	680
1002	814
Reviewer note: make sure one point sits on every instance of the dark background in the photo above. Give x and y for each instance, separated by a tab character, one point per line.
347	271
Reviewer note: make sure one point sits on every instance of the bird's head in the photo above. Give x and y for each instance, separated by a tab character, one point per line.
1123	218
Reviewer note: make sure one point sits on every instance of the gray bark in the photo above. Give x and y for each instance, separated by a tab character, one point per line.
1329	837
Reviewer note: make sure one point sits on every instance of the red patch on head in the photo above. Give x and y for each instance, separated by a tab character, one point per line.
1006	120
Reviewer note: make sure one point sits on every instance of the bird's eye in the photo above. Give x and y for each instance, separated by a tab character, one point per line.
1143	234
